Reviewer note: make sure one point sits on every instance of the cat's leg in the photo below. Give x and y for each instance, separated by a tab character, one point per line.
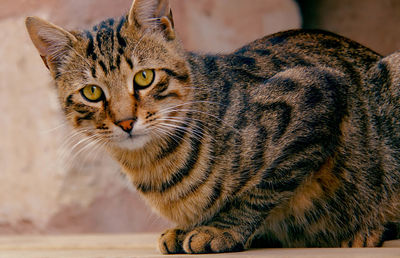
374	237
369	238
229	231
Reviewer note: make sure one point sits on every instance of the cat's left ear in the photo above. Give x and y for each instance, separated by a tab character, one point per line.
52	42
153	15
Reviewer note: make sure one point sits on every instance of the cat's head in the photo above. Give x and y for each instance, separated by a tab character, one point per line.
126	81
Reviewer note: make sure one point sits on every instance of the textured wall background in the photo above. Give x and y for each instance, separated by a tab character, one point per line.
44	186
48	184
376	24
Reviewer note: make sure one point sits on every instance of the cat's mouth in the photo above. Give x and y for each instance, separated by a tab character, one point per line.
132	141
134	136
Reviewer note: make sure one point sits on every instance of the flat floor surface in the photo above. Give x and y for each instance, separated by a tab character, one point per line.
145	245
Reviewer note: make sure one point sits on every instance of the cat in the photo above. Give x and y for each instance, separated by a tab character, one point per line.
291	141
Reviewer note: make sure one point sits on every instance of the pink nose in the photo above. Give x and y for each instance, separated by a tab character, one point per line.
126	125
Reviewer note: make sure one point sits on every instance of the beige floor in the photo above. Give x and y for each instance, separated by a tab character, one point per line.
144	245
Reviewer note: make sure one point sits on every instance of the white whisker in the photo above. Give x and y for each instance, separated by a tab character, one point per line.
174	137
204	113
195	127
197	134
137	44
189	103
62	125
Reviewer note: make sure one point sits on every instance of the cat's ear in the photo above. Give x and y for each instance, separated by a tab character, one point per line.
51	41
153	14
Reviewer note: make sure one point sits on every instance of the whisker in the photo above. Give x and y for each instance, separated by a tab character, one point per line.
198	135
98	147
178	126
190	103
174	137
164	132
137	44
55	128
70	141
204	113
72	137
89	145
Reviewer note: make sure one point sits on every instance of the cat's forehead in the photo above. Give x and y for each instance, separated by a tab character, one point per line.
113	41
104	34
105	38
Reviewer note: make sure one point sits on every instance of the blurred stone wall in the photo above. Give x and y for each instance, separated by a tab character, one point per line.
48	182
373	23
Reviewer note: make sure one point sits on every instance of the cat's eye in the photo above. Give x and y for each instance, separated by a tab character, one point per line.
144	79
92	93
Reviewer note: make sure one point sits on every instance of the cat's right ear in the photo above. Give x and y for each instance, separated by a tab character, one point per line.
152	15
51	41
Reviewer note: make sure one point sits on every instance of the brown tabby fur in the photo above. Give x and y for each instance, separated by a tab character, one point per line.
293	140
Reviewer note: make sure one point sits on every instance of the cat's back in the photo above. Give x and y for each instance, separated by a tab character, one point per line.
301	47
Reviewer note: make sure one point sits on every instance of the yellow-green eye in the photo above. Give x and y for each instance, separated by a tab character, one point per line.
144	79
92	93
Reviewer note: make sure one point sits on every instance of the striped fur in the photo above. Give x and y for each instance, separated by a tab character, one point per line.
292	140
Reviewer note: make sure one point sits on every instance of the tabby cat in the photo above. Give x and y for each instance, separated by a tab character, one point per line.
291	141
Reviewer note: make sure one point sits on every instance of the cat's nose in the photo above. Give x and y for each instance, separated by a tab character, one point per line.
126	125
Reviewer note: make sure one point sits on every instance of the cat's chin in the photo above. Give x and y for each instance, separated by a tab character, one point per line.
132	143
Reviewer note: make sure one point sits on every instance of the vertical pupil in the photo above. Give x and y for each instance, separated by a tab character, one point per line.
144	74
93	88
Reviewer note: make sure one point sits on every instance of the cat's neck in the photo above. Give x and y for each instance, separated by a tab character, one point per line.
140	158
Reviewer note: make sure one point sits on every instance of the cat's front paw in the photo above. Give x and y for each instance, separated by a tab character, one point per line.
212	240
171	241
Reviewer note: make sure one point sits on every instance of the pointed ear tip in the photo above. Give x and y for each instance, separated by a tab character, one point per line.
35	24
32	21
29	20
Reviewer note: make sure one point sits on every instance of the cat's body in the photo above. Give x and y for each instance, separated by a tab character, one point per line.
294	139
